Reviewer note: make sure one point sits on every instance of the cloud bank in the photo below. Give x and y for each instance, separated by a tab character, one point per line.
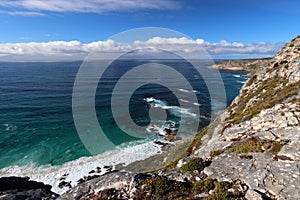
37	7
75	50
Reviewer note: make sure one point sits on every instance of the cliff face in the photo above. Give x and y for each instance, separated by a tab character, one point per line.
251	151
257	139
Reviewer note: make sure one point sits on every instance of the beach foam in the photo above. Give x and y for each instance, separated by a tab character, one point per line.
74	170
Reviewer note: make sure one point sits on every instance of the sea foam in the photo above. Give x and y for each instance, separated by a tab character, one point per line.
74	170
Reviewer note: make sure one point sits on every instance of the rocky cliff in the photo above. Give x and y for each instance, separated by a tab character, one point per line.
251	151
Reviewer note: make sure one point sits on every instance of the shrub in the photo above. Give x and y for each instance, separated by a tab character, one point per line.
195	164
215	153
204	185
157	186
250	145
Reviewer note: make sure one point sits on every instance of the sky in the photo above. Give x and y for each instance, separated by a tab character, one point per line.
228	28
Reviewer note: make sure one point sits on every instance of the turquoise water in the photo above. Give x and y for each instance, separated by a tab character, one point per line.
36	122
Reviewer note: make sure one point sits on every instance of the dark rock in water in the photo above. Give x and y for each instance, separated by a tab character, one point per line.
167	131
91	177
80	181
64	184
87	178
159	143
164	146
108	168
170	137
98	169
13	188
62	178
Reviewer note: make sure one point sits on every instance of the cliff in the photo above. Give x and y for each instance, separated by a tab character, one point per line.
251	151
242	65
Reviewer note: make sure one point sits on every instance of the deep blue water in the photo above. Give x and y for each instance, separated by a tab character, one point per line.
36	122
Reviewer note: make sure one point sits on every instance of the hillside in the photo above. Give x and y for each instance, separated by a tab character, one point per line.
242	65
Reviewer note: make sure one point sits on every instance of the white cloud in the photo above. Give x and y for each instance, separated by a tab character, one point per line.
27	7
75	50
22	13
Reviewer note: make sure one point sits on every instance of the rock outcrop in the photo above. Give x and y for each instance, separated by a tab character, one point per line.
22	188
257	139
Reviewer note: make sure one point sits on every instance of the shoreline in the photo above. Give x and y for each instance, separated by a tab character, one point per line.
70	174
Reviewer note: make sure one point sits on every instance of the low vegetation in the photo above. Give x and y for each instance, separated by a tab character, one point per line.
196	143
215	153
268	94
255	144
251	145
159	187
197	164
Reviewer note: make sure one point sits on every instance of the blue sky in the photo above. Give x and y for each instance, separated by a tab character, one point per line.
243	21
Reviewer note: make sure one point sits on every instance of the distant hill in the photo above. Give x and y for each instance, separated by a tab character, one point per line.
242	65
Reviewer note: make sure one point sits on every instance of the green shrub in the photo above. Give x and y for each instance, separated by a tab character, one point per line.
195	164
204	185
158	186
194	145
250	145
221	191
215	153
182	187
255	144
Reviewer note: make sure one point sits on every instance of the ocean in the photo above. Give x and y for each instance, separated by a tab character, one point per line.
36	119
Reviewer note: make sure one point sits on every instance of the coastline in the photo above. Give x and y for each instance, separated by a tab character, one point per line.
242	65
145	157
70	174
